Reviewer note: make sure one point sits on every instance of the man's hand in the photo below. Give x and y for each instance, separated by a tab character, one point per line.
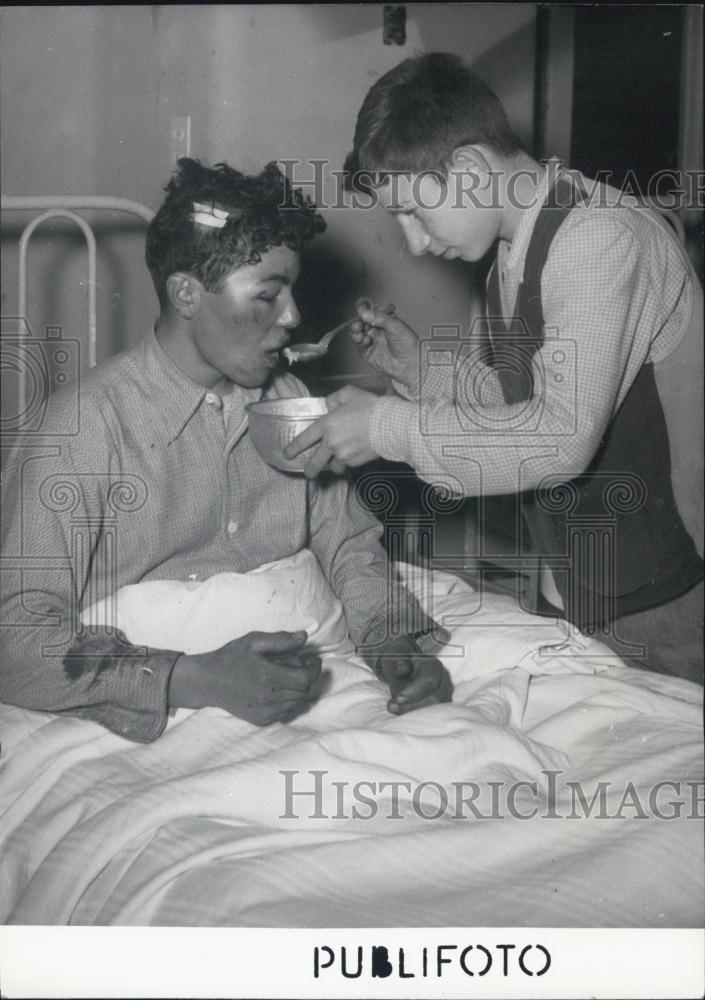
415	679
262	677
387	343
344	433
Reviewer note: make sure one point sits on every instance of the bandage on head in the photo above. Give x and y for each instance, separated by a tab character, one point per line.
209	215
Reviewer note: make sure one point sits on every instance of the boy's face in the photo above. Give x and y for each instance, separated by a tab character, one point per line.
460	218
240	331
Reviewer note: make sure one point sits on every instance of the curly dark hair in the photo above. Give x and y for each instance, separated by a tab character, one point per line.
264	212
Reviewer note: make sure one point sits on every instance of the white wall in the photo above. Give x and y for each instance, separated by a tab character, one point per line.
87	97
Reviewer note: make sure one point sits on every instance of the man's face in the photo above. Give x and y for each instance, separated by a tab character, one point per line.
239	332
459	218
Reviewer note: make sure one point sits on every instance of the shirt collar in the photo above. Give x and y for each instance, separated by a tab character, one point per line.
179	397
516	250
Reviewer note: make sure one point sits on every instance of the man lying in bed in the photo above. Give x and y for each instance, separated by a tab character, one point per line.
159	481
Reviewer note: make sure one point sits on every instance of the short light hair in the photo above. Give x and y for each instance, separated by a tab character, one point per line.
420	112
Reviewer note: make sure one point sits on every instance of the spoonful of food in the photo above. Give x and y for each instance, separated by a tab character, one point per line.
311	352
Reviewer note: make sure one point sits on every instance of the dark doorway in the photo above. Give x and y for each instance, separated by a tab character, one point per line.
626	92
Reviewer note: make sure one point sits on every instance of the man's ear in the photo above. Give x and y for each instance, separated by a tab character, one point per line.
184	293
474	159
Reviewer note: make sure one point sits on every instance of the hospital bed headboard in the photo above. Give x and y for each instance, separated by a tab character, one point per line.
69	207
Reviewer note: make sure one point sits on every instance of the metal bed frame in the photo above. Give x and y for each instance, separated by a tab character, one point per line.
66	207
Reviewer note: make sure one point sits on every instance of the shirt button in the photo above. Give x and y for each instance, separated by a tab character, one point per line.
213	399
232	527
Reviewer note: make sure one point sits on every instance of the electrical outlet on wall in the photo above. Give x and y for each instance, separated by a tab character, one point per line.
179	137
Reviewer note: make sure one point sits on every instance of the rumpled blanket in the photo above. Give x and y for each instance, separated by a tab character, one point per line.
454	815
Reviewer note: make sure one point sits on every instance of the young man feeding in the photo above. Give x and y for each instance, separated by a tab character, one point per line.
585	399
163	447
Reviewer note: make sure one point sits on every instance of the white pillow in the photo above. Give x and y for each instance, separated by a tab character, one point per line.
488	632
195	616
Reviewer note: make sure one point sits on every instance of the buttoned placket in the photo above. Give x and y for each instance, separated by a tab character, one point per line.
213	407
229	505
213	412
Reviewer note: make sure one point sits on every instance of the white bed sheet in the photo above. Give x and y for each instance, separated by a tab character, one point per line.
189	830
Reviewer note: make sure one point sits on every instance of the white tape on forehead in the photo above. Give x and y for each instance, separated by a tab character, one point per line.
208	215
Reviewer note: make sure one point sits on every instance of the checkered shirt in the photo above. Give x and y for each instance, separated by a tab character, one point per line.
617	292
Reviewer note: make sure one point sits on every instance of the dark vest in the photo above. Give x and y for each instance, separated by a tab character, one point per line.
613	536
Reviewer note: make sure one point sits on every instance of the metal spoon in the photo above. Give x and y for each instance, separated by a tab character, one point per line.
310	352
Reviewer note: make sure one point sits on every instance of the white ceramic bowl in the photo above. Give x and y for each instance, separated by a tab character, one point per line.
274	423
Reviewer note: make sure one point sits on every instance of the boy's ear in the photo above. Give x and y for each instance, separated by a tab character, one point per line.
473	158
184	293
